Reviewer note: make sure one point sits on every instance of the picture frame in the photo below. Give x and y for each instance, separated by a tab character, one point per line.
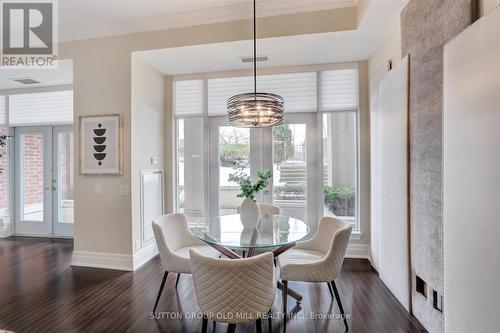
101	145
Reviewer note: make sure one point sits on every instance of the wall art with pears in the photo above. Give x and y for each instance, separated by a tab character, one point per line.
100	145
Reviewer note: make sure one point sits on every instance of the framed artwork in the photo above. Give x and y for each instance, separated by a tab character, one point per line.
100	145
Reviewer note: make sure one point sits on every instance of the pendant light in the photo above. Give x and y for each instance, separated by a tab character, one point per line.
255	109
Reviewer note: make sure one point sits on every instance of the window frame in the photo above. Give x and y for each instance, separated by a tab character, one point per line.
207	147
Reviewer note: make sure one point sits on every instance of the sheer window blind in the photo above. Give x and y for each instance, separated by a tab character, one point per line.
339	90
298	90
3	110
188	97
41	108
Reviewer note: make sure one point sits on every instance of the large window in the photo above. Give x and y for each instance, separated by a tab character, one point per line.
4	178
209	152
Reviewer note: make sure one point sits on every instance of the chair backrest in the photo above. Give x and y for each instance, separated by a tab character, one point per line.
269	209
233	290
332	238
171	233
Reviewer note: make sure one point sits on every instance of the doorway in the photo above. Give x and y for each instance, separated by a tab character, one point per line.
44	181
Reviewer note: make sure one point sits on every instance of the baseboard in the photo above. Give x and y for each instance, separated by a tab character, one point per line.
358	251
144	255
122	262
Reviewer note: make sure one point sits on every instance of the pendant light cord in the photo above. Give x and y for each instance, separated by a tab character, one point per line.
254	48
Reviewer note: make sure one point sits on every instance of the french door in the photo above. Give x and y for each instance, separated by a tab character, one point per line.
289	150
44	181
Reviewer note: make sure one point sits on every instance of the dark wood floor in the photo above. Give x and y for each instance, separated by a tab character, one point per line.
41	292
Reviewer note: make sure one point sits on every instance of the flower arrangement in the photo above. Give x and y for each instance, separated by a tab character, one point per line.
248	189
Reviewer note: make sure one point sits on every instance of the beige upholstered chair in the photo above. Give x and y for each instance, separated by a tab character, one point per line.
269	209
174	240
234	291
318	259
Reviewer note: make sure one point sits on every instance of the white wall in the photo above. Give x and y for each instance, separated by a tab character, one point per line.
378	66
148	135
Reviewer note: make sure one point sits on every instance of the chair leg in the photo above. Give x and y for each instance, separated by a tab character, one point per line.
258	324
339	302
204	324
243	254
165	275
231	328
177	281
330	289
285	298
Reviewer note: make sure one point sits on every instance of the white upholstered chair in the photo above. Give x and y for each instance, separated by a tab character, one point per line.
318	259
234	291
174	240
269	209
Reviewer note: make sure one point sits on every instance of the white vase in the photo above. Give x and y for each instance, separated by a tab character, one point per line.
249	213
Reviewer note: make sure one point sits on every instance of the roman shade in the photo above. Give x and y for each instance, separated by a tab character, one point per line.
339	90
298	90
45	108
188	97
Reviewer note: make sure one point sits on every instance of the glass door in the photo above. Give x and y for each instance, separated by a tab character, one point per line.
44	181
288	150
33	177
63	181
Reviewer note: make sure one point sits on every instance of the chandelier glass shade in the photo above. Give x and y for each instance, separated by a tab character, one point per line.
255	109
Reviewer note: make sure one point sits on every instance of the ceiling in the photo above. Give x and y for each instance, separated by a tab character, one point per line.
84	19
321	48
63	75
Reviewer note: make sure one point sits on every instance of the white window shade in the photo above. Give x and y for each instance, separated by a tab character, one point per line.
41	108
297	89
3	110
339	90
188	97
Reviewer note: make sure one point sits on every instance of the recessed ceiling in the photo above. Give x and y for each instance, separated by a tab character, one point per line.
63	75
321	48
83	19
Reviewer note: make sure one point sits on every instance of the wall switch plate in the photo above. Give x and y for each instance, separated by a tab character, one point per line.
154	160
123	190
97	189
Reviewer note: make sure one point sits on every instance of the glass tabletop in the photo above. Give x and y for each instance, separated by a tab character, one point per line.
272	231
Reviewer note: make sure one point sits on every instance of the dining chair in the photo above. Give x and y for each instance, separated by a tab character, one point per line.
234	291
318	259
269	209
174	240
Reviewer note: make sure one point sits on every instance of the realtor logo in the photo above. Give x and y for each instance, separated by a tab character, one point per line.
29	33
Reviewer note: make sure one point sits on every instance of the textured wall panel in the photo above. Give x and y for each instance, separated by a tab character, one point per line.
426	25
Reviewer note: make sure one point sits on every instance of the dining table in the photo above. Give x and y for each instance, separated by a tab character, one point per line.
273	233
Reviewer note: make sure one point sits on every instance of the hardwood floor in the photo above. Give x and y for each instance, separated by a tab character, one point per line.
41	292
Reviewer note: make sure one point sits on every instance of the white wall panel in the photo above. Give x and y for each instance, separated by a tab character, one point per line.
472	178
391	168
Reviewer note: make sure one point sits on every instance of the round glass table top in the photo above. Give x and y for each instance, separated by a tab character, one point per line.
272	231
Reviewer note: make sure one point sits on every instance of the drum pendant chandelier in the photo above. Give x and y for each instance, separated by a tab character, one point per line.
256	109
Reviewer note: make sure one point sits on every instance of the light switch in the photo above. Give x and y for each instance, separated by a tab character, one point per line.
97	189
123	190
154	160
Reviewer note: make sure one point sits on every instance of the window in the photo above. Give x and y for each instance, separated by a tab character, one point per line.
209	151
340	165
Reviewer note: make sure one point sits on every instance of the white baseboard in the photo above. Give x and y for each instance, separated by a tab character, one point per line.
122	262
144	255
358	251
